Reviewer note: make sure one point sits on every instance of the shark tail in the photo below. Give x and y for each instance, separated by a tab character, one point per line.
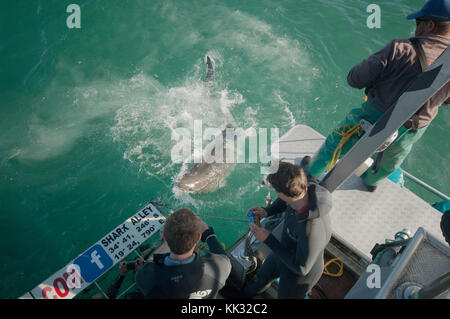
210	64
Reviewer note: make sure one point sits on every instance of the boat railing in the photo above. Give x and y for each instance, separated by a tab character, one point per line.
425	186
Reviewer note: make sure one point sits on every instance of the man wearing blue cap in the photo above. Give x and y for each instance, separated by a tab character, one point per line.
385	75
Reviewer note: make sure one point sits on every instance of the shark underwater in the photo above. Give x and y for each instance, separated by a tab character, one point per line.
207	176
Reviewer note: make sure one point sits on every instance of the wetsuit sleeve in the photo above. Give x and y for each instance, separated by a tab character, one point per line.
210	238
369	71
144	282
277	207
114	289
219	265
317	241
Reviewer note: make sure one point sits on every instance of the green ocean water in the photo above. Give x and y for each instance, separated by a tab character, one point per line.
86	115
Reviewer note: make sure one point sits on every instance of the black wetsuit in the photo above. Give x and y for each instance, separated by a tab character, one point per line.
115	287
200	279
298	258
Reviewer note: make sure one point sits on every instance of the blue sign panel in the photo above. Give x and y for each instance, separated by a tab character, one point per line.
93	263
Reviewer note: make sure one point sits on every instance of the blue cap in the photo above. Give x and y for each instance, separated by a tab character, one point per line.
434	9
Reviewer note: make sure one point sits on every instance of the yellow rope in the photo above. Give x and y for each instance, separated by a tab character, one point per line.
337	262
201	247
347	132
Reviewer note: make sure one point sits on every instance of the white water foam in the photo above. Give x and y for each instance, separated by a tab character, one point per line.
289	116
144	128
65	113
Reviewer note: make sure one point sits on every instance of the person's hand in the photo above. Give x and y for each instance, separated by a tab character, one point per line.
123	268
139	263
258	211
203	225
260	233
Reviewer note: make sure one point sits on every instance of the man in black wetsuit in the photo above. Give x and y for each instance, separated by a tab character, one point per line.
298	259
182	273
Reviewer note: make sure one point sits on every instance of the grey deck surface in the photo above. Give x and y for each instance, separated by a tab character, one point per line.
361	219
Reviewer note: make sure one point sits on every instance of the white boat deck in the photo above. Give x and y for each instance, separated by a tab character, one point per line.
360	219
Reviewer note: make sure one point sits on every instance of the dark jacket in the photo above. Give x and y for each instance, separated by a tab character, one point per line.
390	71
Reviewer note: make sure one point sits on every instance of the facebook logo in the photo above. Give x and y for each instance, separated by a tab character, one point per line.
93	263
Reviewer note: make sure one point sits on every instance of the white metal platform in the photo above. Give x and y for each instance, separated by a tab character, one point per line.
360	219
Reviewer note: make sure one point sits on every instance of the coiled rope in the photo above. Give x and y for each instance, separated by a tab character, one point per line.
337	262
347	132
